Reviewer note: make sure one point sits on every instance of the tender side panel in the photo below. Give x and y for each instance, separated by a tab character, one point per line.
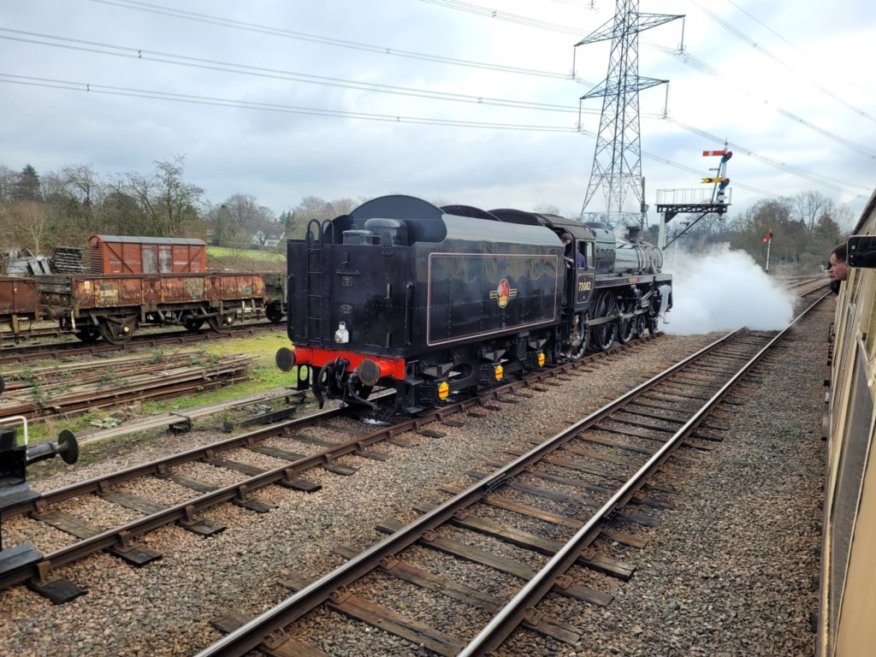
475	294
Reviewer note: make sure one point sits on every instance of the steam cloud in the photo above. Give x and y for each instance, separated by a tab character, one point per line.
722	290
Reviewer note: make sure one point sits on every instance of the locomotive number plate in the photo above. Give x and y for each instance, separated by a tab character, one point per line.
346	281
585	286
346	309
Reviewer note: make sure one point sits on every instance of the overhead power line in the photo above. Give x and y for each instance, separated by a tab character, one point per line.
140	5
688	59
694	62
147	7
109	90
505	16
330	41
133	53
745	38
762	24
834	183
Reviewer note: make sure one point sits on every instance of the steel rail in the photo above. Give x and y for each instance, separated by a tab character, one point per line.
243	440
123	535
158	466
506	620
255	632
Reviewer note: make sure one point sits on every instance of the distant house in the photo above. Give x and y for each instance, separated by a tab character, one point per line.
263	240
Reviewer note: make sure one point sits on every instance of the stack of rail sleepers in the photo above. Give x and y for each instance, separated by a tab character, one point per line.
76	387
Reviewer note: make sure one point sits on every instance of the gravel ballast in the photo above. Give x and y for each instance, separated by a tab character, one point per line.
729	570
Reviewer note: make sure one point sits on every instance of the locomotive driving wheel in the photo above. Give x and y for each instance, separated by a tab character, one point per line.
580	338
603	334
626	326
641	325
117	330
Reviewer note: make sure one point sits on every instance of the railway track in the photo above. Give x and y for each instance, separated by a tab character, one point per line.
583	477
32	352
806	285
235	470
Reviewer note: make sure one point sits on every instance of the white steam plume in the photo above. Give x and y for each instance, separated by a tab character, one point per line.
722	290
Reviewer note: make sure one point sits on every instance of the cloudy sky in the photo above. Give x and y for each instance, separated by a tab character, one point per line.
460	102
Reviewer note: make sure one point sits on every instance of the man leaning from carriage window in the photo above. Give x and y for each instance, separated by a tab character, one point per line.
837	267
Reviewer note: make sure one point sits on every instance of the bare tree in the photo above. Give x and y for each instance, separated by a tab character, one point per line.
246	219
82	197
32	224
82	184
313	207
7	182
7	225
169	204
808	207
750	229
844	217
120	213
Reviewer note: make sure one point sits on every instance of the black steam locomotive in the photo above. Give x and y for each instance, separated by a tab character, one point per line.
436	301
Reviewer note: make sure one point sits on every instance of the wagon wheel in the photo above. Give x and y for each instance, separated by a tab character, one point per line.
88	334
626	327
192	322
220	323
603	334
274	312
117	330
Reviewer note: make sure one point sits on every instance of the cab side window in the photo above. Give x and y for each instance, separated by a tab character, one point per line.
586	250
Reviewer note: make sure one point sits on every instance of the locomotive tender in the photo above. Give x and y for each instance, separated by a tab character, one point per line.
435	301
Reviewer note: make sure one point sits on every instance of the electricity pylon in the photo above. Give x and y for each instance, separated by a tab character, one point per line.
617	160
